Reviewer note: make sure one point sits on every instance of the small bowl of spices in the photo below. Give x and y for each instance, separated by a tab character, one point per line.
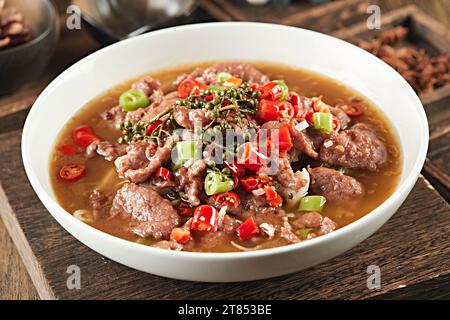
28	37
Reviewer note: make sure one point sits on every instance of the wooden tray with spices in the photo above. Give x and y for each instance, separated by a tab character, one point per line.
416	236
418	47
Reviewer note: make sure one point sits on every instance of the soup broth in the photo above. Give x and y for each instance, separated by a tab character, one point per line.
101	175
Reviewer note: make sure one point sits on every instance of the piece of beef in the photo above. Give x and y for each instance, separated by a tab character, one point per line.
314	220
142	159
189	181
334	185
343	118
245	71
151	88
287	234
191	118
286	176
208	241
110	150
208	76
302	142
258	208
115	116
358	147
153	216
100	202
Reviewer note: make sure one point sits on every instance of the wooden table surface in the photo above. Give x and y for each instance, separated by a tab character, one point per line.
14	280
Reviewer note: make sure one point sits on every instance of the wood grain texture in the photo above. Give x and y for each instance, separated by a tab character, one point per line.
15	282
325	18
411	248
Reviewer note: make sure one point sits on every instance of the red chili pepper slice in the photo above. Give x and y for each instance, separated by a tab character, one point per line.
278	201
185	210
180	235
72	172
271	91
153	127
248	229
286	110
250	183
84	136
206	218
284	138
352	109
164	174
186	87
230	199
310	117
271	194
236	169
336	124
67	149
252	158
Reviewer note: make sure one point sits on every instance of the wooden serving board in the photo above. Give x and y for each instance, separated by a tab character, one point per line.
412	251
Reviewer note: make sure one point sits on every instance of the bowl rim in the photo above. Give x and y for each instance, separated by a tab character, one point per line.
396	197
49	28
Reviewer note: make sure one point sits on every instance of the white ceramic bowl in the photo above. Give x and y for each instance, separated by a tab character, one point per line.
225	41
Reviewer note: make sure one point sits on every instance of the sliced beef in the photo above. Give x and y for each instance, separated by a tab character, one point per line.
287	234
343	118
151	88
142	159
189	118
107	149
334	185
302	142
245	71
308	220
207	241
208	76
153	216
115	116
358	147
258	208
100	203
189	182
286	176
321	225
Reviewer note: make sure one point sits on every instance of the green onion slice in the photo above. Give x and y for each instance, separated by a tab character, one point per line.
284	89
133	99
323	121
216	182
223	76
312	203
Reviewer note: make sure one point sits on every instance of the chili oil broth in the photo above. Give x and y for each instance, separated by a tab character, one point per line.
101	174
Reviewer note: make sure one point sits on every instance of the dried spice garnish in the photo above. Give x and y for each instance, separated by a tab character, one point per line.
424	72
13	28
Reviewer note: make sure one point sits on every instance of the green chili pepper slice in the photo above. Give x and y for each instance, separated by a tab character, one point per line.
303	233
133	99
184	151
312	203
223	76
323	121
284	89
216	182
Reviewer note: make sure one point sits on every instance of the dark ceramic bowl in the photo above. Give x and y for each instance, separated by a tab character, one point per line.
114	20
23	64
